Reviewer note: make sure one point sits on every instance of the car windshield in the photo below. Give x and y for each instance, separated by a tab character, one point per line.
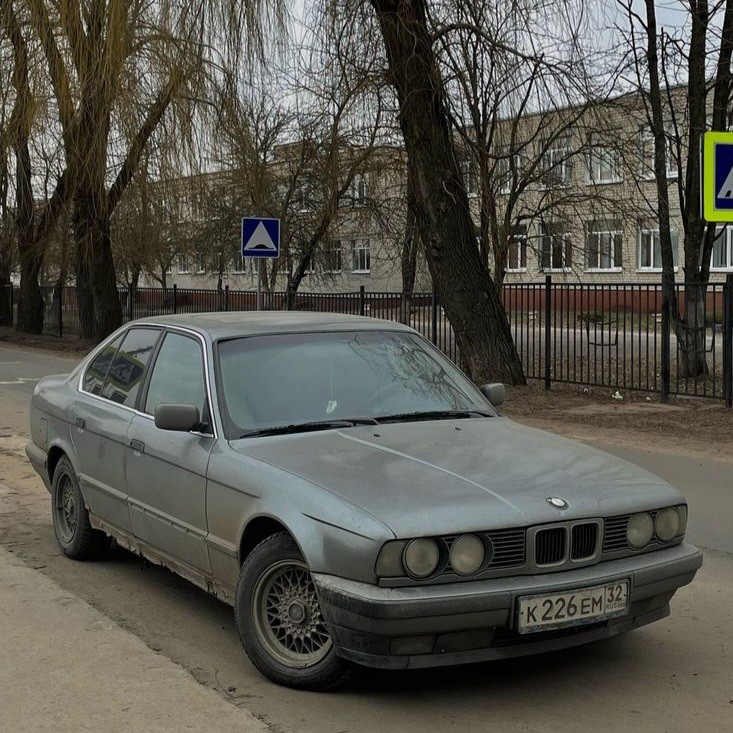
305	381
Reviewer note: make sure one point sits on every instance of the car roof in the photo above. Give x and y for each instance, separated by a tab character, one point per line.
251	323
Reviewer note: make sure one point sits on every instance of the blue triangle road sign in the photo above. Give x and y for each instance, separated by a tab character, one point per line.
260	237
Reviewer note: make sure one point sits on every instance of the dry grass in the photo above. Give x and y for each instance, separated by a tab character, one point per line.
68	345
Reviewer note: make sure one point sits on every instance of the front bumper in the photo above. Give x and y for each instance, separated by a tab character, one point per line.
429	626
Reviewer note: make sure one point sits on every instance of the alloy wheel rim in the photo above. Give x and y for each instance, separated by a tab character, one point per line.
66	510
288	617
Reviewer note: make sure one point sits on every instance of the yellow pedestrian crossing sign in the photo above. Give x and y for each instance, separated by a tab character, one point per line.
717	182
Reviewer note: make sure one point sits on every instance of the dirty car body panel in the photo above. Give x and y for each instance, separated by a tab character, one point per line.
354	495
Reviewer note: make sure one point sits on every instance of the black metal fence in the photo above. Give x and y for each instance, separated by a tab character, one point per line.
627	336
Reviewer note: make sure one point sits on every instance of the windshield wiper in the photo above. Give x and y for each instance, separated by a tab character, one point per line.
433	415
308	427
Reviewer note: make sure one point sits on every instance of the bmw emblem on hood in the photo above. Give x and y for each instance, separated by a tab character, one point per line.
557	502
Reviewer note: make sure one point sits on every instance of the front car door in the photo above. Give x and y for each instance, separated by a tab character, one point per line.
100	418
166	470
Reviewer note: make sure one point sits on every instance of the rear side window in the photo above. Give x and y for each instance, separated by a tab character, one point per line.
126	372
96	372
178	375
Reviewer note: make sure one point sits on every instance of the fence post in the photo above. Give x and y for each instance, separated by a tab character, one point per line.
548	330
131	303
362	301
434	324
226	298
728	340
175	298
666	340
61	311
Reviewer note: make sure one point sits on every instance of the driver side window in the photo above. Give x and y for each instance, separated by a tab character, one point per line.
178	375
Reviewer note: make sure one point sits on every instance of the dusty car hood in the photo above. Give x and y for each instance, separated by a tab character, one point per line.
462	475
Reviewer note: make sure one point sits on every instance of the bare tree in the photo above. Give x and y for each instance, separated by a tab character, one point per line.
684	80
7	232
33	222
443	217
116	69
524	119
300	143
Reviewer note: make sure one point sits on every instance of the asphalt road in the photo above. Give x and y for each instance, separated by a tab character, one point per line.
676	675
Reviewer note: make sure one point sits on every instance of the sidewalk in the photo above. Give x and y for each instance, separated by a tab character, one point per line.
66	667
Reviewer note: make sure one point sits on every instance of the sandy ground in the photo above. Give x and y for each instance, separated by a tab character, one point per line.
694	426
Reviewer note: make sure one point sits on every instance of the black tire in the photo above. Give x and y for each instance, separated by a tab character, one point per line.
320	668
71	526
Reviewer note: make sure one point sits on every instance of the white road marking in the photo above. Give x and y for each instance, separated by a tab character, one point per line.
21	380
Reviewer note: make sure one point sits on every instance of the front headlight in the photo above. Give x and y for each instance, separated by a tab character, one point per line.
667	524
640	530
421	557
467	554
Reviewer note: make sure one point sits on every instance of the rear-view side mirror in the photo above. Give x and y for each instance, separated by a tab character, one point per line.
182	418
494	393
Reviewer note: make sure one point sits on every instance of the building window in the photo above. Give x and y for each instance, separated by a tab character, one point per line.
603	246
503	169
302	200
650	249
556	251
470	177
332	263
646	145
200	264
722	257
361	258
556	167
183	265
238	263
603	163
359	189
517	254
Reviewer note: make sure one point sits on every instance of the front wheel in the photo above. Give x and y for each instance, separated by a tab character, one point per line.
279	619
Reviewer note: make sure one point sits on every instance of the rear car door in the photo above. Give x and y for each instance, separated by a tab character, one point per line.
166	470
100	418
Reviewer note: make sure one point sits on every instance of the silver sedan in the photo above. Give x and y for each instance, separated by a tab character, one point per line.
351	493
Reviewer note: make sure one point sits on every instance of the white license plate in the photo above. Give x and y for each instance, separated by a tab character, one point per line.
571	608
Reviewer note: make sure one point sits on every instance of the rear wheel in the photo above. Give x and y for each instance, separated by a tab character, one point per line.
71	526
280	621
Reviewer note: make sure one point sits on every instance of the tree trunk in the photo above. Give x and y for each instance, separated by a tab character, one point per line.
107	305
6	310
84	299
409	251
100	310
30	300
461	279
691	331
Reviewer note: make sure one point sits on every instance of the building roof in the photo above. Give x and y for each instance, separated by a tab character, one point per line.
251	323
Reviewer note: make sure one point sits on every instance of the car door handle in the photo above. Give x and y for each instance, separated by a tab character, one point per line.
81	423
138	446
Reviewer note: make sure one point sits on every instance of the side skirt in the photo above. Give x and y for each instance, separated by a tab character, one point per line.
157	557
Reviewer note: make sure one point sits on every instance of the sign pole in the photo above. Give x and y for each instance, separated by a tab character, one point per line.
260	239
259	284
